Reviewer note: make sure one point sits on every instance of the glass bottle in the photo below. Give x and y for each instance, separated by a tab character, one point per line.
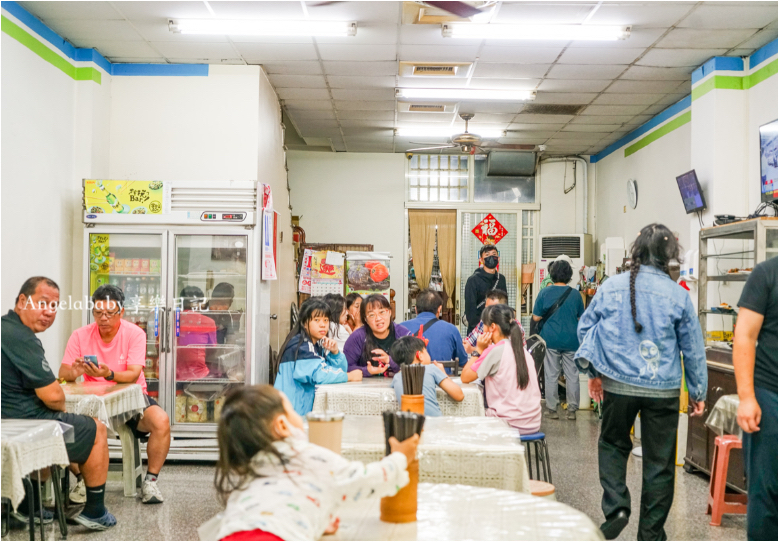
111	199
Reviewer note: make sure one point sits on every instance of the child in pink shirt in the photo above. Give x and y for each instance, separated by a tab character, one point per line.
510	382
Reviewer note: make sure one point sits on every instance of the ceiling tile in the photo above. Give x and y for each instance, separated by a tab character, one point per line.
136	60
639	37
371	131
442	82
301	67
427	34
303	93
672	98
592	71
649	14
760	39
741	16
258	10
602	119
509	71
426	117
578	85
357	82
361	68
505	84
82	32
608	98
600	55
385	33
172	49
297	81
520	12
693	38
679	57
532	118
564	98
740	52
324	114
643	87
608	128
136	49
533	127
265	52
72	10
365	106
655	109
658	74
358	114
157	29
500	118
613	110
518	138
519	55
363	95
293	105
438	53
358	11
490	107
579	137
638	120
371	52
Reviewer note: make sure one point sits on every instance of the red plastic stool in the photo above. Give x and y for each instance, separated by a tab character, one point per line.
721	502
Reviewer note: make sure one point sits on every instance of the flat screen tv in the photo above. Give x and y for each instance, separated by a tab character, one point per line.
768	159
690	189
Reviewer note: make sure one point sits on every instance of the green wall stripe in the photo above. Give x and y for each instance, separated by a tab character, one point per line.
665	129
734	82
36	46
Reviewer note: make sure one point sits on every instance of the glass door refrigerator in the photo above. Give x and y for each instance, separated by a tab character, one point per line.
190	273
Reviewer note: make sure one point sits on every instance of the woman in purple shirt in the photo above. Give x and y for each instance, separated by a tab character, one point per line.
368	348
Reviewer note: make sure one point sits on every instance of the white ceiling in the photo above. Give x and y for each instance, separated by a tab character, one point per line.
340	91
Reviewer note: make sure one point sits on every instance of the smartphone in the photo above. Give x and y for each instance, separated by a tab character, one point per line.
91	359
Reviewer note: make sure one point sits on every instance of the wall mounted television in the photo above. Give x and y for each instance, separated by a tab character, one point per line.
768	160
690	189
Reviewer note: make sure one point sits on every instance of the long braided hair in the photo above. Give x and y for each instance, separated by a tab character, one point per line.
657	246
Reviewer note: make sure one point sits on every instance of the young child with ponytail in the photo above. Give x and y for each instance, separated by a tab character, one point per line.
508	371
632	337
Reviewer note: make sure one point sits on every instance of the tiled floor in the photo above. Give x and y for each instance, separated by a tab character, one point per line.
191	500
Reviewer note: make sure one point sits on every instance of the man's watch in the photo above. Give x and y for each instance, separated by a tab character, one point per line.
111	376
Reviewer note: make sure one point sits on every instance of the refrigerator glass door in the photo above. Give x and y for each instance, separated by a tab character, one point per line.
133	262
208	323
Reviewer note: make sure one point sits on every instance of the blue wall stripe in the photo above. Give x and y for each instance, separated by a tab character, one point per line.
762	54
672	111
161	69
718	63
91	55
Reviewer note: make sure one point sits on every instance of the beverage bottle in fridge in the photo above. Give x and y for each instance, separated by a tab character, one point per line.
142	322
130	292
143	292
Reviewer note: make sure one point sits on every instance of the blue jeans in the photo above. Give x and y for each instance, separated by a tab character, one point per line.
760	461
554	362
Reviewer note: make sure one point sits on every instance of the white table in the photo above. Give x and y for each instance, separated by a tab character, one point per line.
454	512
373	396
483	452
113	404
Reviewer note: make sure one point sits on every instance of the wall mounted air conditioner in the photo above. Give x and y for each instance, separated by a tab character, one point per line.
578	247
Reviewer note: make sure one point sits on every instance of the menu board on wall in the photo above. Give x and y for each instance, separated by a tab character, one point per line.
368	273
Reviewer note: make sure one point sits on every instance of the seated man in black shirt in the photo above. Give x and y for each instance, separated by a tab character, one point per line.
31	391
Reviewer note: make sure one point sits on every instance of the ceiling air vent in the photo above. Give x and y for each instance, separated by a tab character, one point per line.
552	109
435	70
425	108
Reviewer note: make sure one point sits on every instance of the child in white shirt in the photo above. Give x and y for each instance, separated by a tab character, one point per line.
277	485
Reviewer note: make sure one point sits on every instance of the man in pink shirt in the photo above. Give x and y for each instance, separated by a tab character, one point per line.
120	348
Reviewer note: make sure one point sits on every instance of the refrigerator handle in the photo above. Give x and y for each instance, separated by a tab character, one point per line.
167	330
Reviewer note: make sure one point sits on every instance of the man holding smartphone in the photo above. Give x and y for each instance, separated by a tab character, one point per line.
120	349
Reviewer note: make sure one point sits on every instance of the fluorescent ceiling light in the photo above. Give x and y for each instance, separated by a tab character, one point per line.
245	27
565	32
464	94
446	131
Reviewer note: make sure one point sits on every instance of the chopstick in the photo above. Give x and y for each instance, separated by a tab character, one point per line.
401	425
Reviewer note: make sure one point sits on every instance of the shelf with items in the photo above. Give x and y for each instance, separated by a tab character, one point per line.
730	277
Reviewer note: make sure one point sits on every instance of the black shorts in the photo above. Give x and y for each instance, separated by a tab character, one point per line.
84	430
132	423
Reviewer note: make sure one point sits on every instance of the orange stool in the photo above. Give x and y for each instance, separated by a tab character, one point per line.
721	502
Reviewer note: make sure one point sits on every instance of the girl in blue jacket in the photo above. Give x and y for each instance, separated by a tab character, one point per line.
309	357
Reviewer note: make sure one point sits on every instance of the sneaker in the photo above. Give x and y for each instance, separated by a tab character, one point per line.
102	523
150	493
552	414
571	415
48	517
78	494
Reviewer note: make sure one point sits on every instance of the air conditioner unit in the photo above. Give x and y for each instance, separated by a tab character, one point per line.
578	247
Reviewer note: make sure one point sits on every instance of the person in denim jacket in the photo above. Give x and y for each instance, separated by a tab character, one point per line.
632	335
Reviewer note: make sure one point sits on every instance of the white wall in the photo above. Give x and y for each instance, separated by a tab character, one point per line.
47	122
562	213
352	198
655	168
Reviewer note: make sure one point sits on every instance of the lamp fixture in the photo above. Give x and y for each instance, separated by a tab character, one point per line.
244	27
445	131
567	32
465	94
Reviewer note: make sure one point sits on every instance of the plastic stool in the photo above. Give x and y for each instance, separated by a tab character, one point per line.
538	440
542	489
721	502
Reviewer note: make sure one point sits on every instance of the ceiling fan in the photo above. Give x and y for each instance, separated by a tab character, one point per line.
460	9
469	143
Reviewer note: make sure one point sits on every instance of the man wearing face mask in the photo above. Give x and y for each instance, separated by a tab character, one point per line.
484	279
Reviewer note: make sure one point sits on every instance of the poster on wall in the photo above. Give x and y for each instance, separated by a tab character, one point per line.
304	285
769	155
125	197
327	273
268	257
368	273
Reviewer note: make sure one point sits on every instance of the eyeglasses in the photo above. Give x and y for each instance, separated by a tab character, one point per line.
374	315
99	314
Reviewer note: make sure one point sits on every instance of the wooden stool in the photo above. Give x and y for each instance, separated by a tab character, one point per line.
721	502
542	489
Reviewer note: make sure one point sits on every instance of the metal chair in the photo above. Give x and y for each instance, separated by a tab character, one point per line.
538	440
537	348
